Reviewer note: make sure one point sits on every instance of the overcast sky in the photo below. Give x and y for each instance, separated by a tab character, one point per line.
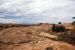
35	11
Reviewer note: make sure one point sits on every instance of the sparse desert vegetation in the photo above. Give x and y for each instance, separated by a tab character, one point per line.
58	28
41	36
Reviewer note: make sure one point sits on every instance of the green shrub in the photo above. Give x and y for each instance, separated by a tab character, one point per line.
73	22
58	28
67	37
59	22
73	39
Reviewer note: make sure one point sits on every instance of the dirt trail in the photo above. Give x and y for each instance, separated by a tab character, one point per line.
47	35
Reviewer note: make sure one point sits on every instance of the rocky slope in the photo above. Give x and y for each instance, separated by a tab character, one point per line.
31	38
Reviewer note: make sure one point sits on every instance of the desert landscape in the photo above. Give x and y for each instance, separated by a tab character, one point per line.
37	24
36	37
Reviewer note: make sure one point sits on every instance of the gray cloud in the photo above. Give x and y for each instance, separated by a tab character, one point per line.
33	11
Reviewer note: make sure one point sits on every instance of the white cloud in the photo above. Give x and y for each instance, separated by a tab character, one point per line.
38	10
7	21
